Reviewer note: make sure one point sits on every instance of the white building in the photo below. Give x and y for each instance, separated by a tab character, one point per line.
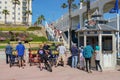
21	18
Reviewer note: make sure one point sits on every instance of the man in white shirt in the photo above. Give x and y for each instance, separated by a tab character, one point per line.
62	54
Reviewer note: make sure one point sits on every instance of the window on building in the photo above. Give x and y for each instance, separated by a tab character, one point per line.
5	2
18	13
13	13
24	8
24	14
24	19
18	18
0	2
24	4
107	43
18	8
13	7
5	7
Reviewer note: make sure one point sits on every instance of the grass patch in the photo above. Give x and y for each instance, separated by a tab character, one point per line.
38	39
2	47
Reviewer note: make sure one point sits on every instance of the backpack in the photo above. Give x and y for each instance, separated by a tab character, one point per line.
41	51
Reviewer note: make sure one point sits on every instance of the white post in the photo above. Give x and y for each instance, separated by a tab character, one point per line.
118	33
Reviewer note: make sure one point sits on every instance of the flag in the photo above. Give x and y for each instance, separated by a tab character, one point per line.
81	3
78	27
116	7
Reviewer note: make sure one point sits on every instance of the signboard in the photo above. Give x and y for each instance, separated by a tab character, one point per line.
91	24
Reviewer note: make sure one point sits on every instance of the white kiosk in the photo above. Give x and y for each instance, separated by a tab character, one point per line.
105	37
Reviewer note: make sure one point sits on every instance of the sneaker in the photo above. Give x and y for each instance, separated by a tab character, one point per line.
100	70
22	67
55	65
90	71
41	69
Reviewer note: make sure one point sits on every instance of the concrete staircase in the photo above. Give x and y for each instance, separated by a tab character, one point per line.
65	40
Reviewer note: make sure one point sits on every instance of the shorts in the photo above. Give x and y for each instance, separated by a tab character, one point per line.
20	57
61	57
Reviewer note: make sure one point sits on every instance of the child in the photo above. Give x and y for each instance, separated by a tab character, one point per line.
81	59
97	58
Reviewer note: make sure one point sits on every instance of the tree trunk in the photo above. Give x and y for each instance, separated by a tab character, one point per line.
28	13
15	14
5	18
70	25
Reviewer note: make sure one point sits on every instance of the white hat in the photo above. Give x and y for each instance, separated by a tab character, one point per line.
19	41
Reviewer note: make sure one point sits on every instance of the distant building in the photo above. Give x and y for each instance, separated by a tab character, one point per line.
21	17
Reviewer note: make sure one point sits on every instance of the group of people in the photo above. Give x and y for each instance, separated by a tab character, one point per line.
44	51
82	56
20	50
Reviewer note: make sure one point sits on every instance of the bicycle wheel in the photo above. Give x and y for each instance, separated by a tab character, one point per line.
48	67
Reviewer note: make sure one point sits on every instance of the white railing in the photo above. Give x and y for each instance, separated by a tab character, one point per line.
49	30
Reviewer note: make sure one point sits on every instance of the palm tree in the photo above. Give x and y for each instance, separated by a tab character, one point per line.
15	2
40	19
70	6
28	12
5	12
88	9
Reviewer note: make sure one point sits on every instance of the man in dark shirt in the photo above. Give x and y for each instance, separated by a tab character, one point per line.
8	51
46	47
74	52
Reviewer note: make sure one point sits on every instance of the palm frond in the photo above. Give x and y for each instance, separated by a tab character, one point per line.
5	11
74	6
64	5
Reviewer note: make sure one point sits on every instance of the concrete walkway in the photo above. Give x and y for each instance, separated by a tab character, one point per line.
59	73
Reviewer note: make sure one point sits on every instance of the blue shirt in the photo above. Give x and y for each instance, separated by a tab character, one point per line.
74	51
88	51
8	49
20	49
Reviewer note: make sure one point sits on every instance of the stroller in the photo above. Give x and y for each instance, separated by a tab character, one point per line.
14	59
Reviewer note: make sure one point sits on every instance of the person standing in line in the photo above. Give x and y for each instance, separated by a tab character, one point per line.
8	51
62	54
81	59
87	53
97	58
74	52
20	48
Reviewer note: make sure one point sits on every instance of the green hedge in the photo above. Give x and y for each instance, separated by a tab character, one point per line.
36	38
19	28
13	28
34	28
2	47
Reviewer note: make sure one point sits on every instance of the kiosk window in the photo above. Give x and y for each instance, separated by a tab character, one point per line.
81	41
107	43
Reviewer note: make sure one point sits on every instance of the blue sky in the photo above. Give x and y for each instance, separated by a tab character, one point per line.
52	10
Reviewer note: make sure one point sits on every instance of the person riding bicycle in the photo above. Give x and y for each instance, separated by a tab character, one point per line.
44	56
